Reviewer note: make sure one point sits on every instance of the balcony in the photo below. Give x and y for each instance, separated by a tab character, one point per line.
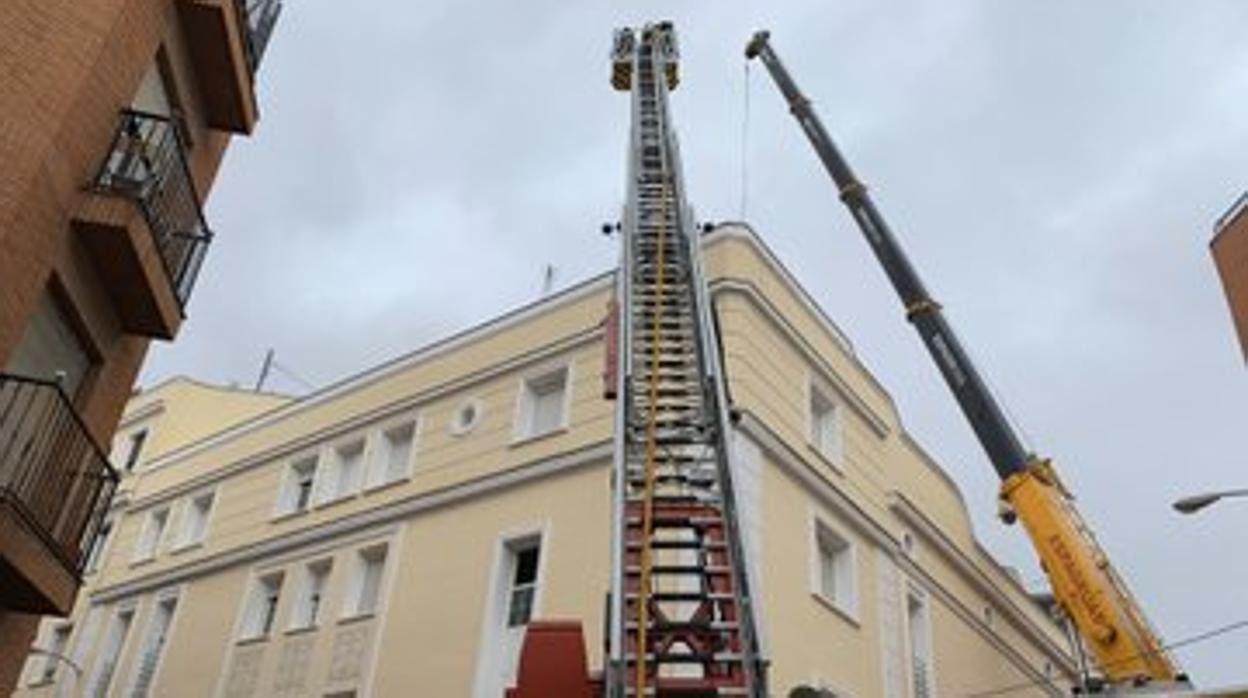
55	487
146	233
227	39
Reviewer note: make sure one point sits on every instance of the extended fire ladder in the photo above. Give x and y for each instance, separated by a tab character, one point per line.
681	623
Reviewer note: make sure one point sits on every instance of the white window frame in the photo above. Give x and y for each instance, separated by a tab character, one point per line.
134	456
329	488
130	608
523	428
913	593
98	552
377	454
845	563
149	627
46	664
499	647
251	619
142	553
833	453
288	492
185	539
352	606
300	619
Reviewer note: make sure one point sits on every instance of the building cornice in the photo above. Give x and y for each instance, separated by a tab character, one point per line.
865	524
920	523
385	370
379	413
743	287
576	292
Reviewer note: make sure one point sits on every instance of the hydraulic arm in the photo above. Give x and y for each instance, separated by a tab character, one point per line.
1126	651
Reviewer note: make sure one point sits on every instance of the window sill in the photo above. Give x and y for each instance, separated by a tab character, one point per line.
356	618
246	641
337	499
527	439
41	682
388	484
185	547
139	562
286	515
836	608
826	459
302	630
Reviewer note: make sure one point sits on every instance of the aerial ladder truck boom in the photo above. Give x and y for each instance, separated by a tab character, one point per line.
681	618
1125	649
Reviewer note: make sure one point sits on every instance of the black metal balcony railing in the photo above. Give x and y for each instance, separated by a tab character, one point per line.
51	470
259	16
147	162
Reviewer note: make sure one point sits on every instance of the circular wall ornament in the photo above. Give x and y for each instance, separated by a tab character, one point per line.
466	418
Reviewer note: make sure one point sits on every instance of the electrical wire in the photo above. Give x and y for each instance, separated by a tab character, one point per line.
293	376
745	140
1199	637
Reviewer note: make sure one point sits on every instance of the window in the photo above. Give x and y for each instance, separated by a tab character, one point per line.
345	471
297	490
153	646
919	638
262	606
195	519
834	571
825	425
523	587
393	455
53	653
153	532
315	579
106	665
543	403
50	348
135	448
95	553
366	584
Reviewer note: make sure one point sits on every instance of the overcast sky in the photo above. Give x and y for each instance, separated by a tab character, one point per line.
1054	169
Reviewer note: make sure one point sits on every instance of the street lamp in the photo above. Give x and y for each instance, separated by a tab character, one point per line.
1196	502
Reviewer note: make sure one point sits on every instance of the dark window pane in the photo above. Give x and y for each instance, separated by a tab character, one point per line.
521	607
526	566
136	447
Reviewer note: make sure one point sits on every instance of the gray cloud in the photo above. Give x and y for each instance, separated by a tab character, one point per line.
1054	169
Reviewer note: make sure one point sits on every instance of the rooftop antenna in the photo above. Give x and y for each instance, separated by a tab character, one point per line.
548	279
265	368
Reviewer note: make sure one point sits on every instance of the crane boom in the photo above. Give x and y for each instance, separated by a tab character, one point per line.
1126	650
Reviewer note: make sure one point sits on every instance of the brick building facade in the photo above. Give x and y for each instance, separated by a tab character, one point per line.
114	117
1230	255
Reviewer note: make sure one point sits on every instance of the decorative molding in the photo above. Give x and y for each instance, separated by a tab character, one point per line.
387	369
831	495
947	549
826	374
313	441
360	521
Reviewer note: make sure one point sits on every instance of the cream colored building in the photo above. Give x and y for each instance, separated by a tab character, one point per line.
390	534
